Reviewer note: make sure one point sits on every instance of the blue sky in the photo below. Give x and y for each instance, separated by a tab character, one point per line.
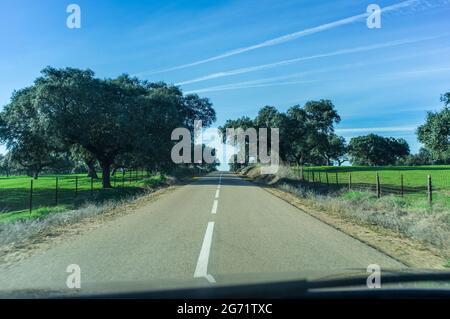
282	53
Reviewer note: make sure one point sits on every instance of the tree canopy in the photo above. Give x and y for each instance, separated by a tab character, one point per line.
375	150
306	133
109	120
435	132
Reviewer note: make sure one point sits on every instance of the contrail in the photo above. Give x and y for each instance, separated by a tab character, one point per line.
288	37
302	59
275	81
377	129
248	86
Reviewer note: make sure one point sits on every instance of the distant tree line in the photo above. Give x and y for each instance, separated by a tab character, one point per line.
307	137
69	119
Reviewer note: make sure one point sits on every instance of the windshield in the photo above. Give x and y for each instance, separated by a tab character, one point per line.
154	146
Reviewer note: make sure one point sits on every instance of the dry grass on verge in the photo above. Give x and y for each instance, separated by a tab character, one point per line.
428	225
21	230
22	239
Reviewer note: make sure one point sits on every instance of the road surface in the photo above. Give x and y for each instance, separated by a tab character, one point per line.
219	229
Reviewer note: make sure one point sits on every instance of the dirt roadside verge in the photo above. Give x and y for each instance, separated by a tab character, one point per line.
408	251
54	234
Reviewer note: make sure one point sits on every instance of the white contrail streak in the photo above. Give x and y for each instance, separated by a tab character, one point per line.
288	37
248	86
377	129
269	82
301	59
274	81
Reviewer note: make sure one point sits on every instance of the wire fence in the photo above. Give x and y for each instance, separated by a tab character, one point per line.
418	182
21	193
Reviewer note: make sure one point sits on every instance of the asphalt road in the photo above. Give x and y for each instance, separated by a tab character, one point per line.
220	229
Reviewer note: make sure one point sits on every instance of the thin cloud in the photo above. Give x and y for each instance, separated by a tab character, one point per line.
302	59
288	37
248	86
377	129
269	81
275	80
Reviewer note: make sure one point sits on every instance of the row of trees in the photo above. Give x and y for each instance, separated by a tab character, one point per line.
434	134
306	133
71	120
70	116
307	137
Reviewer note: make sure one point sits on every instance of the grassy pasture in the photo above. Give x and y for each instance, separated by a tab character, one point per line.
72	191
413	176
415	179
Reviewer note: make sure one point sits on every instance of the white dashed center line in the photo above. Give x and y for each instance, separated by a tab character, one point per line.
214	208
201	271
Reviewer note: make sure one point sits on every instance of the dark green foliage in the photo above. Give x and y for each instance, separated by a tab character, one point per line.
435	133
375	150
107	122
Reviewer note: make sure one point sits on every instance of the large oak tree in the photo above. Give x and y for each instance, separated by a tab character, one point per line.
107	119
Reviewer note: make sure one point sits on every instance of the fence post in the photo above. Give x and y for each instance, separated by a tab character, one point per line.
31	196
401	185
430	190
130	176
349	181
328	181
337	179
76	186
302	173
56	191
123	177
378	186
92	186
312	176
115	174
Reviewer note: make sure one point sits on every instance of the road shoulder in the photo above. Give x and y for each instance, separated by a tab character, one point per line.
51	236
407	251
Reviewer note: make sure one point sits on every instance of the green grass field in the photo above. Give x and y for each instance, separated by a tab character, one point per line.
73	190
413	176
415	179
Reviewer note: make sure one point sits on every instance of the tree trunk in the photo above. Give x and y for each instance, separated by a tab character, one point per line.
106	169
91	169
